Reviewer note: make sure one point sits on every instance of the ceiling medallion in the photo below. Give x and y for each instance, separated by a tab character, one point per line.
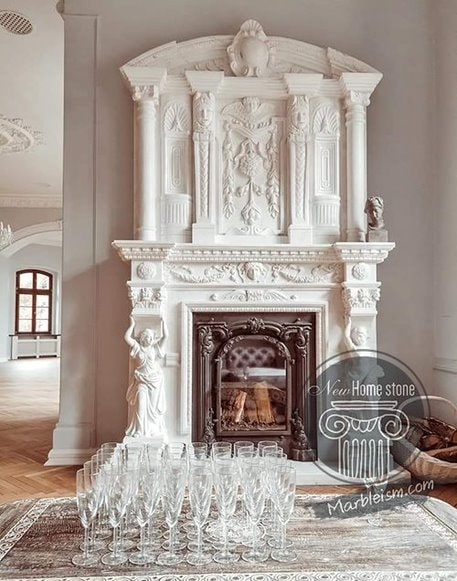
16	136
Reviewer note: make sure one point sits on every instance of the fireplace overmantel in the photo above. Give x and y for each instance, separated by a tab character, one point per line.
250	185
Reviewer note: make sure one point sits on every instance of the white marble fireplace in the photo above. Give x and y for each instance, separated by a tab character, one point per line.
249	192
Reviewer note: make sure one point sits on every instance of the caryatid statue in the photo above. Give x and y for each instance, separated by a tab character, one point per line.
146	392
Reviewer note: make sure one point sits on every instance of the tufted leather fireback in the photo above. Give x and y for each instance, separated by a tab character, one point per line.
241	357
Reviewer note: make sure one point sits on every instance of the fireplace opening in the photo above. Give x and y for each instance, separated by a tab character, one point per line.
252	372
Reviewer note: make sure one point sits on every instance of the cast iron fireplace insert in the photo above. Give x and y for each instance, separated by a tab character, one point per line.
252	373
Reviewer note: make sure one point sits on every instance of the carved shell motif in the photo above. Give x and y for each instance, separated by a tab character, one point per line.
326	121
176	119
251	53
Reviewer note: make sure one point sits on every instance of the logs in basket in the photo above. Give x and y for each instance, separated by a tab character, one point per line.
429	450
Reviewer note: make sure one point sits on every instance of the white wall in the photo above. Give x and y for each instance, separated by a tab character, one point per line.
45	257
19	218
444	15
394	37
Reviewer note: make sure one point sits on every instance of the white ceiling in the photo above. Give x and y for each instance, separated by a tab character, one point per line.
31	73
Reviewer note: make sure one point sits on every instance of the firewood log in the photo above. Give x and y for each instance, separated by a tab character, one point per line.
446	431
431	442
262	399
447	454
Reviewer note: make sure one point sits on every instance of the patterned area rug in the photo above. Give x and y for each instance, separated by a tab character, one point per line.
415	540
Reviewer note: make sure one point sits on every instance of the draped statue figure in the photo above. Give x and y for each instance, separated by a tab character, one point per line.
145	394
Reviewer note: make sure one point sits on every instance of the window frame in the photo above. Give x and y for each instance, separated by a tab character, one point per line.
34	292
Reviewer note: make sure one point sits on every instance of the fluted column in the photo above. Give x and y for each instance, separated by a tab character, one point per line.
145	190
356	132
357	89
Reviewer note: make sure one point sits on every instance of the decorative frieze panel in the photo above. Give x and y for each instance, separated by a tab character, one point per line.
253	296
254	273
146	298
362	298
251	165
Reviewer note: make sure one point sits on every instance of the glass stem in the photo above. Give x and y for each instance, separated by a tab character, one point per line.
199	541
172	540
254	537
92	534
86	542
142	541
225	534
283	536
121	533
115	537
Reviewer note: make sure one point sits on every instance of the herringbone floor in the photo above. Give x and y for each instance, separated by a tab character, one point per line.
28	413
29	403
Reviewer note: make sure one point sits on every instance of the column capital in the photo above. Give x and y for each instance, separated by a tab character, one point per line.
144	82
141	93
358	87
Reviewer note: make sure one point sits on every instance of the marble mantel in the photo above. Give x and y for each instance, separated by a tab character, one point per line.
250	184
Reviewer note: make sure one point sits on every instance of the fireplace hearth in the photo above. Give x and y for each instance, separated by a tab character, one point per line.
251	377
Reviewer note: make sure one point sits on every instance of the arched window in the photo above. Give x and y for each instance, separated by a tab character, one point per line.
33	302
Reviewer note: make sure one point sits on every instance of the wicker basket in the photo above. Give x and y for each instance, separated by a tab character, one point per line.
420	464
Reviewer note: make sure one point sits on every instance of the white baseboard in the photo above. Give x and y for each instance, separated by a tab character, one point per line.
69	457
3	359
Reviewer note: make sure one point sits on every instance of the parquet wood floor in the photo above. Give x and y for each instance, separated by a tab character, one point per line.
28	413
29	403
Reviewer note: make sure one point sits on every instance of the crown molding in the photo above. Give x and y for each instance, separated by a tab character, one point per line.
32	201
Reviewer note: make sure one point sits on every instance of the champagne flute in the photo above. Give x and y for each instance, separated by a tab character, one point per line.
86	515
226	487
118	496
200	486
253	483
175	474
141	514
283	487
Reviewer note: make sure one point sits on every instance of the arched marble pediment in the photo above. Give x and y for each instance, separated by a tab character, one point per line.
212	53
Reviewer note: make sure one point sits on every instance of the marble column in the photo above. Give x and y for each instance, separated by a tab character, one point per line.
145	190
356	136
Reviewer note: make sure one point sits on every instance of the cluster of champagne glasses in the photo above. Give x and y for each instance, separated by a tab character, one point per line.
133	506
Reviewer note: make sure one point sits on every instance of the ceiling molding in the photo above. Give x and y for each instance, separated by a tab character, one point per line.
30	201
48	233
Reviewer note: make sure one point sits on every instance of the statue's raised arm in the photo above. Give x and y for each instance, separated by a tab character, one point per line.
161	340
129	336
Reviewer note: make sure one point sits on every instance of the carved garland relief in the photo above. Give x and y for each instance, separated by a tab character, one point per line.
255	272
251	172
